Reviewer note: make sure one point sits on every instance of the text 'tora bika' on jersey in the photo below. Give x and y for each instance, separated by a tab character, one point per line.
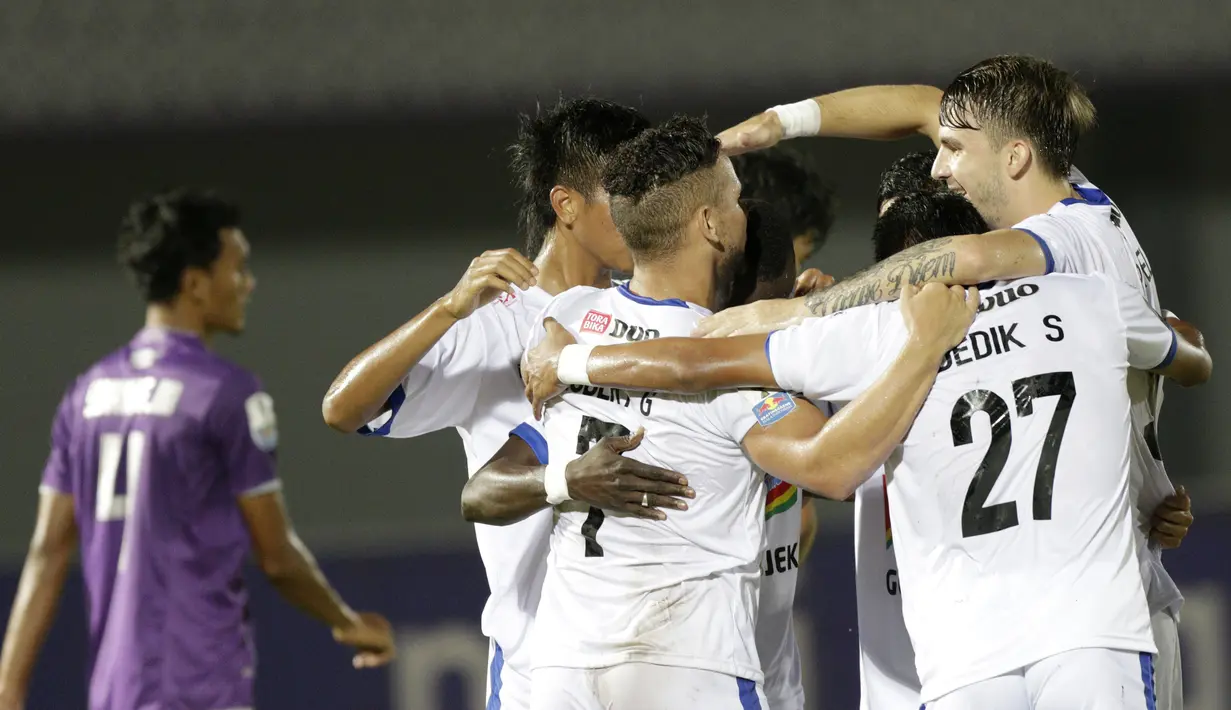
155	443
1091	235
681	592
1009	498
469	380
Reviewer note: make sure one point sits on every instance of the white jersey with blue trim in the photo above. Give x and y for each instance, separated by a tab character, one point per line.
887	675
470	381
775	635
679	592
1091	235
1009	496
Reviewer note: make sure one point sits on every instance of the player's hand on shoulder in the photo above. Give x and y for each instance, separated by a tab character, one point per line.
752	319
938	316
605	478
489	275
1172	519
540	366
763	130
371	636
811	280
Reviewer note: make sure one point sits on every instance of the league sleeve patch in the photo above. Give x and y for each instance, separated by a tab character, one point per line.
773	407
262	423
596	322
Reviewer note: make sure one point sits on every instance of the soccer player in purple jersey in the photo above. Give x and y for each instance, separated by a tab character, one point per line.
162	466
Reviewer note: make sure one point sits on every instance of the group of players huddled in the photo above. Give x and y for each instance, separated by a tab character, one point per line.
641	453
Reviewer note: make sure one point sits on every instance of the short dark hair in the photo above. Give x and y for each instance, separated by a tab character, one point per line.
922	216
567	145
784	177
1015	96
658	179
909	174
164	234
769	253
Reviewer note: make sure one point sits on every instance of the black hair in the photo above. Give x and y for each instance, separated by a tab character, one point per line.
658	180
909	174
1021	97
923	216
769	253
163	235
567	145
782	176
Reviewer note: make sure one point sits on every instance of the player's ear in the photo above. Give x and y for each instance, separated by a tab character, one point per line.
566	203
1018	156
707	219
195	284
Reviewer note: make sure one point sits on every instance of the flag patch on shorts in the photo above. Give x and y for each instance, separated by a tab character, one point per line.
773	407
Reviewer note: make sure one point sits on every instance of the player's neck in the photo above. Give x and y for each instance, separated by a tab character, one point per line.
1037	197
564	263
169	317
662	280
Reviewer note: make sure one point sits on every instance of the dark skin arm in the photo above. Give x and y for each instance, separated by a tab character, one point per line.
360	391
292	570
38	595
509	487
1192	364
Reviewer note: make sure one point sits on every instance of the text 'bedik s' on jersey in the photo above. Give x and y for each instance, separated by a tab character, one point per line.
1009	496
1092	236
470	381
680	592
155	443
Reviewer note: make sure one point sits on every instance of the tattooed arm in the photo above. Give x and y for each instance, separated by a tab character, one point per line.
963	260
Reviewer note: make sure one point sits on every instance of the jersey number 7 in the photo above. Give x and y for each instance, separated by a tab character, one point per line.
591	432
980	519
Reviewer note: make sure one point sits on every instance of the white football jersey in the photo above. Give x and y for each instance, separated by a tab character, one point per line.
470	381
775	636
887	676
1092	236
1009	496
680	592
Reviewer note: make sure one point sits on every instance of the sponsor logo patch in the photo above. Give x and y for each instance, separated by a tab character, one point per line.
773	407
596	322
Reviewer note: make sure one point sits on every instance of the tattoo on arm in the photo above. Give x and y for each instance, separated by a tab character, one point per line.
934	260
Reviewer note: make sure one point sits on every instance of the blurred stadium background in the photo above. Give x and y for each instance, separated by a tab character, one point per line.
365	140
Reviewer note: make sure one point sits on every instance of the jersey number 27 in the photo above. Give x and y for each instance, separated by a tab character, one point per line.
981	519
591	432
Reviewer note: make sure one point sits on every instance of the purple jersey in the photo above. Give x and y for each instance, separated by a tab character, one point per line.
155	443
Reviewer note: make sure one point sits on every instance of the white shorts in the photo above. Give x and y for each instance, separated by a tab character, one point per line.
1168	681
643	686
507	689
1084	679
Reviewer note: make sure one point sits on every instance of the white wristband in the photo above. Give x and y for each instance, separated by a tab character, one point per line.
555	484
571	367
802	118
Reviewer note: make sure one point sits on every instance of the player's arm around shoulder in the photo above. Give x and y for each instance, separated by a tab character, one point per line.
684	365
363	389
832	457
964	259
520	480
